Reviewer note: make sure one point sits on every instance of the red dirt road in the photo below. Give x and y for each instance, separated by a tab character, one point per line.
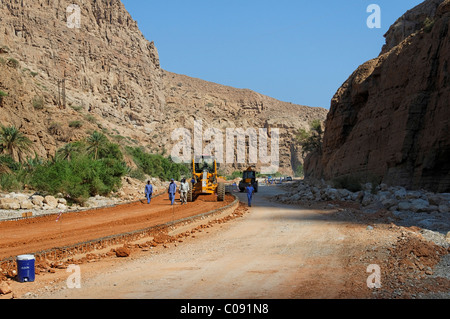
44	233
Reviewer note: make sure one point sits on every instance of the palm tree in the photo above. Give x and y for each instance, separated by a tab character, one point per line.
95	143
14	142
67	151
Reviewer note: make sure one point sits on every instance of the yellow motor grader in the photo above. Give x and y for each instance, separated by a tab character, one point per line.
205	179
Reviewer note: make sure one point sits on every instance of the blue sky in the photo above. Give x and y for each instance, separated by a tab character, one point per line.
293	50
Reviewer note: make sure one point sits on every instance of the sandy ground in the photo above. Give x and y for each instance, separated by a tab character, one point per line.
272	251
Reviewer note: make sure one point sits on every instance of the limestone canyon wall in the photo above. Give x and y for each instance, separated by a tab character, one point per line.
390	119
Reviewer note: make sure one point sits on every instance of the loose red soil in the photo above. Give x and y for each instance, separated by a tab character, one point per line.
44	233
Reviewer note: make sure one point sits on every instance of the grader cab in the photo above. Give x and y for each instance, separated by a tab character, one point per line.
205	179
248	178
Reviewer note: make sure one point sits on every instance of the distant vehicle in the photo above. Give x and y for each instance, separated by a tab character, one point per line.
248	178
289	179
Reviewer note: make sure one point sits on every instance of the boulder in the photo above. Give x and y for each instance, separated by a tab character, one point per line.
434	199
9	203
419	205
51	201
444	208
400	194
37	200
343	193
384	195
331	194
367	199
404	206
26	204
388	203
123	252
5	288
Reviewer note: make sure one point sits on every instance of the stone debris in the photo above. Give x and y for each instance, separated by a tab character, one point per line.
411	207
15	205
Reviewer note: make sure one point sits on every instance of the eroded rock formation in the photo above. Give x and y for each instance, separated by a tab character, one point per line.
390	119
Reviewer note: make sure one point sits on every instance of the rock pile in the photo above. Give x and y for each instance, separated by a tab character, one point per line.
13	201
13	205
412	208
381	196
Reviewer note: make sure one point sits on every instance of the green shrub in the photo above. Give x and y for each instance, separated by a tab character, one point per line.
137	174
428	25
13	63
311	141
90	118
79	178
156	165
10	183
38	103
234	175
299	172
77	108
75	124
2	95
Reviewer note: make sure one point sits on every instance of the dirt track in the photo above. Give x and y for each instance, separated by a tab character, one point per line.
273	251
40	234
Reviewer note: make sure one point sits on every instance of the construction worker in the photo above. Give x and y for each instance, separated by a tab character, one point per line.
249	190
172	191
184	189
149	192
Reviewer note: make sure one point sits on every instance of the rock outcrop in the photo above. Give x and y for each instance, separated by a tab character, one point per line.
390	119
113	82
222	107
105	72
411	22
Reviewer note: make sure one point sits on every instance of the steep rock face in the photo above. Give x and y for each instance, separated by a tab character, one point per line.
114	84
411	22
390	119
222	107
110	70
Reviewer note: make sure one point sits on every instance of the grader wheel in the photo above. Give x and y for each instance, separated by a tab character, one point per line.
190	196
221	192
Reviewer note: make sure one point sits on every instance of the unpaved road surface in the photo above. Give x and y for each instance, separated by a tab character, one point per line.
274	251
44	233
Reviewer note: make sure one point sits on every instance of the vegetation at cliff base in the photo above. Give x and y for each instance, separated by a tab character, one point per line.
311	140
78	170
157	165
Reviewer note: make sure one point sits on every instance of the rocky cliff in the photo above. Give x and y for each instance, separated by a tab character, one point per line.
106	69
62	83
390	119
222	107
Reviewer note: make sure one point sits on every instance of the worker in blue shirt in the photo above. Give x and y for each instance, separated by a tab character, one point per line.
149	192
172	191
249	190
